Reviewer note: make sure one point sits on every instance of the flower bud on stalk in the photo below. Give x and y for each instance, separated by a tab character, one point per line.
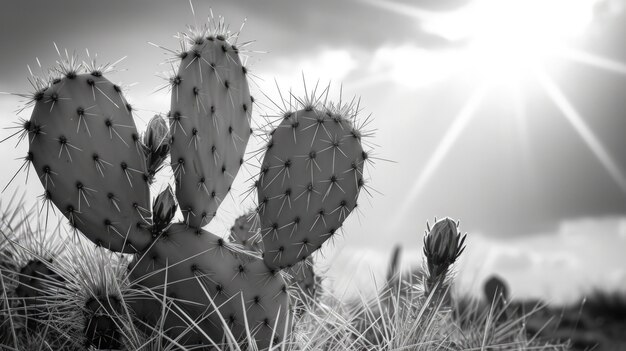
443	244
164	209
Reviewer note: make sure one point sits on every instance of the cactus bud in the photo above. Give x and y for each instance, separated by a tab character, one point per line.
164	209
156	142
443	244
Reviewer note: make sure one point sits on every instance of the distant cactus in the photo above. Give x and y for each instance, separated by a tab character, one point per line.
496	290
497	295
393	270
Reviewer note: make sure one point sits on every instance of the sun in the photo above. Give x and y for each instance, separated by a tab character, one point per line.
506	43
508	39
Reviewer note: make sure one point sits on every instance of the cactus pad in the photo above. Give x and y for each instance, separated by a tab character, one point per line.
209	124
309	183
201	266
84	146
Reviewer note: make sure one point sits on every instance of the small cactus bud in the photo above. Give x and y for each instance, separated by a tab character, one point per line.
164	209
443	244
157	146
157	133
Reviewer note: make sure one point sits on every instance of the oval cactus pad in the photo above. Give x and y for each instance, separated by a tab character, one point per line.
83	143
310	179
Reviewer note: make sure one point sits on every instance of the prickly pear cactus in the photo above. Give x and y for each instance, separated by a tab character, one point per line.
84	146
310	180
191	267
198	288
209	122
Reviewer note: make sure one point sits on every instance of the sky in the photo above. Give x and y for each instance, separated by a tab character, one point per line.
515	129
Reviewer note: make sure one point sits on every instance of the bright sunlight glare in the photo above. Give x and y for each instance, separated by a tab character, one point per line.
507	38
505	42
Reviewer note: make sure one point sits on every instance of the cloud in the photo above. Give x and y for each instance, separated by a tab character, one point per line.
405	65
412	66
286	77
326	65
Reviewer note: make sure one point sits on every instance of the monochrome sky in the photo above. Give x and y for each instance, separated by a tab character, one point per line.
509	168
